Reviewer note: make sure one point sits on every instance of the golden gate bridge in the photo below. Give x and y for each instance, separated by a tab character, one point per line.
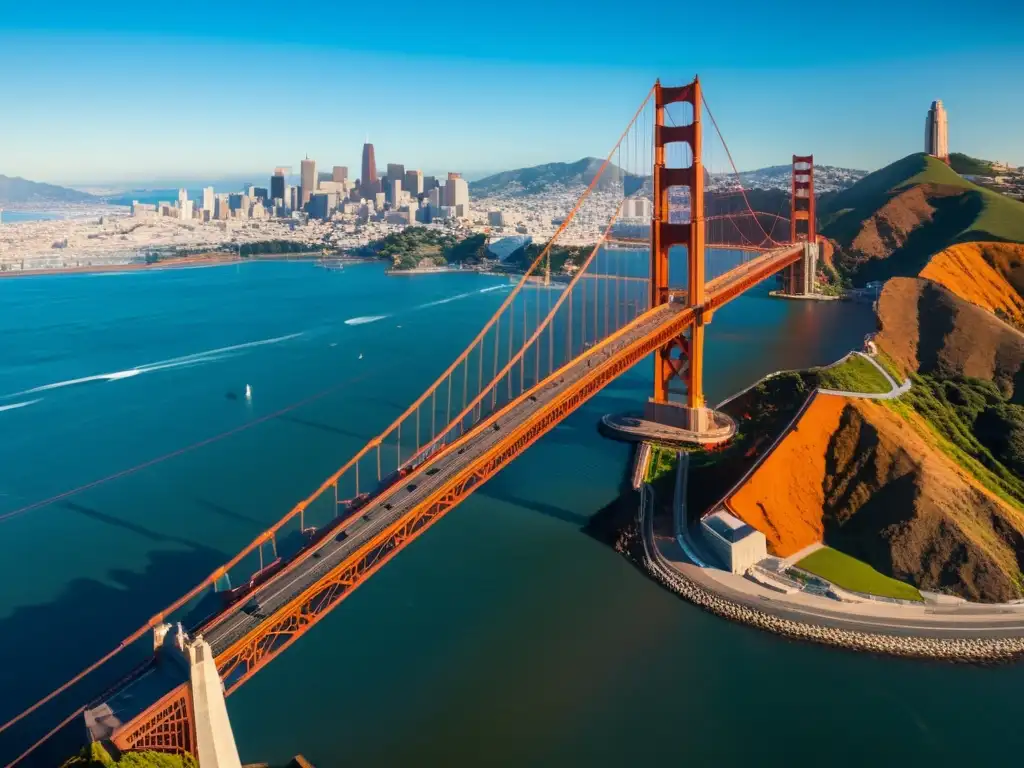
549	347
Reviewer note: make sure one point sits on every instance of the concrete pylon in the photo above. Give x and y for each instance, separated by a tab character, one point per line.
215	742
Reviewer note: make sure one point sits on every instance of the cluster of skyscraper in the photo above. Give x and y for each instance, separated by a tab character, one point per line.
400	196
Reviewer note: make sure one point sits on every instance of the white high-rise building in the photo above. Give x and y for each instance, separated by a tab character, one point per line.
208	198
456	195
936	132
636	208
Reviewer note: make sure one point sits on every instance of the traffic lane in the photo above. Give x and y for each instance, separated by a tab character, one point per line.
273	595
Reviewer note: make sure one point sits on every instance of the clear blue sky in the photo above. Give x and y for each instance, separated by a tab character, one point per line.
106	91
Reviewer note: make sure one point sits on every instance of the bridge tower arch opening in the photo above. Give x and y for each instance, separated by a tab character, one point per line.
681	359
799	278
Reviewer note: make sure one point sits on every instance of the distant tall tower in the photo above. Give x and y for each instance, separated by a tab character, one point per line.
369	178
277	185
936	132
308	179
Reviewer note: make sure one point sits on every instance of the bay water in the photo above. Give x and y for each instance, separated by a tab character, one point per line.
505	635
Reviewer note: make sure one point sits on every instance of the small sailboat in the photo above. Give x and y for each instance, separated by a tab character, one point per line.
248	392
360	355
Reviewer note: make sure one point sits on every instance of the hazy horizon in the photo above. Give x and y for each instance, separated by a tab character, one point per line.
121	93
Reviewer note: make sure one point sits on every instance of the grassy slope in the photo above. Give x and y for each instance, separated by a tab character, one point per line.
849	573
972	166
855	374
663	463
952	433
996	217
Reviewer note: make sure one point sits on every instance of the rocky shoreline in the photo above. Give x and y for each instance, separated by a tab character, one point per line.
966	650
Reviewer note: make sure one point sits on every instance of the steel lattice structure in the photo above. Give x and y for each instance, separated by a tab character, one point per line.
498	432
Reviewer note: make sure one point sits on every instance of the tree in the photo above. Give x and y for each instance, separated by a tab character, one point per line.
1000	428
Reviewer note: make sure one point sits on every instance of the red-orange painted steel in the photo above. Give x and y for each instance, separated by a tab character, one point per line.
162	725
167	723
802	209
688	365
166	726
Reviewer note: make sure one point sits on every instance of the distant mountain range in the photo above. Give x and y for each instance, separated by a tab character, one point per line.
538	178
827	178
18	190
528	181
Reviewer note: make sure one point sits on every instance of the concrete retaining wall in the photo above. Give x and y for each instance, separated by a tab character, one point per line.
960	649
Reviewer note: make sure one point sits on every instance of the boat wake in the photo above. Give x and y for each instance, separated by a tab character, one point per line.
13	406
365	319
460	296
196	358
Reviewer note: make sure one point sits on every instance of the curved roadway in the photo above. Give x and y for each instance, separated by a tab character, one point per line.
957	621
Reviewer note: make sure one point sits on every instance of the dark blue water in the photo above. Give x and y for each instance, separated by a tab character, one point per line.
504	635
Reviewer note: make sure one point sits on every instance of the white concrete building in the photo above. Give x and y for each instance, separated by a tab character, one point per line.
456	195
734	542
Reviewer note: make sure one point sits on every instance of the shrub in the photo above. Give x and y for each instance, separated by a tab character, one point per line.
1000	428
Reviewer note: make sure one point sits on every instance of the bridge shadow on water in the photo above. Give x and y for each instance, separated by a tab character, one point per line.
44	645
325	428
127	525
230	514
495	492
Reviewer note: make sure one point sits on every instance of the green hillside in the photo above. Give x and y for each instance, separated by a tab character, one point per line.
995	216
963	212
971	166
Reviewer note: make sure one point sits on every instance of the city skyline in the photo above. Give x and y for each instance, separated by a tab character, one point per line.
479	104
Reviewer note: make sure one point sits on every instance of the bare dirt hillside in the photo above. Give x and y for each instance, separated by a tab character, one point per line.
927	328
895	501
988	275
873	484
889	228
892	221
790	513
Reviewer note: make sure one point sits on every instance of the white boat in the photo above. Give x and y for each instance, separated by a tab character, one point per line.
248	392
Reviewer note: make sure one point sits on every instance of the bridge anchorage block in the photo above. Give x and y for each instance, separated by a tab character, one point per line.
673	423
690	424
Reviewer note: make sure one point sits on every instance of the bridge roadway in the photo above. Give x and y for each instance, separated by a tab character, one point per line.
389	507
224	631
414	489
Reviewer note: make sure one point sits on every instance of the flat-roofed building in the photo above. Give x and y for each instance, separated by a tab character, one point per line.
413	183
456	195
735	543
277	186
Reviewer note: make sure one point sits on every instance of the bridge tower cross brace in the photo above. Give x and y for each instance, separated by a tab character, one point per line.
665	234
801	209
